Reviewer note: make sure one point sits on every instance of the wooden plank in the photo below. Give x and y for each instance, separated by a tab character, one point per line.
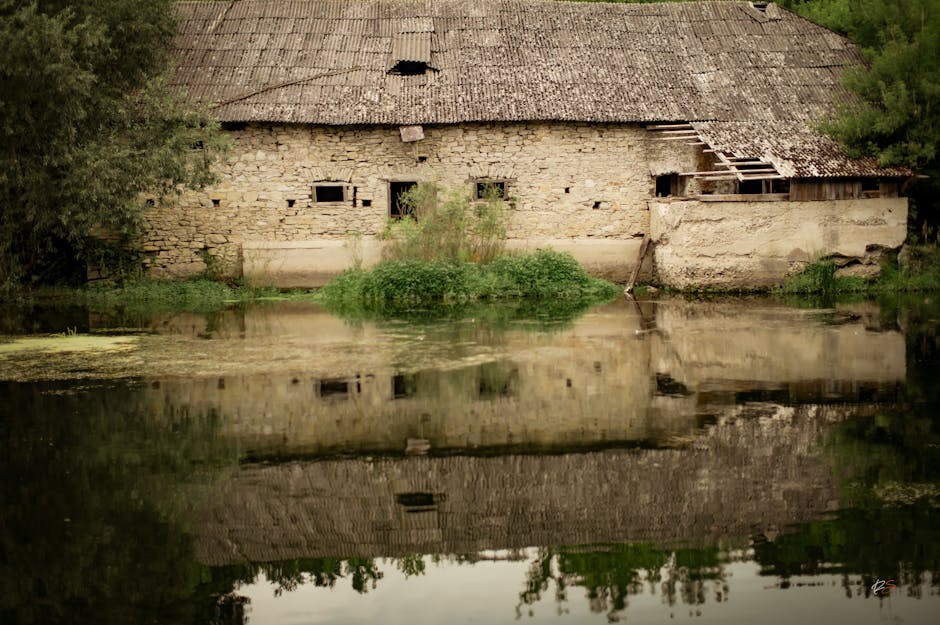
761	197
667	126
644	246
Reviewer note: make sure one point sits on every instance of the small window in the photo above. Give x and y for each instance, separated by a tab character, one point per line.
403	385
487	189
333	388
398	206
667	185
329	193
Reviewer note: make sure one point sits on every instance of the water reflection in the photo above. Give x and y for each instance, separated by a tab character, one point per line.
648	461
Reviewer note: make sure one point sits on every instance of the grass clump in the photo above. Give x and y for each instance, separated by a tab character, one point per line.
196	295
543	274
921	272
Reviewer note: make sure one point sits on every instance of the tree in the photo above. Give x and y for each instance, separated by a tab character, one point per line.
896	115
88	123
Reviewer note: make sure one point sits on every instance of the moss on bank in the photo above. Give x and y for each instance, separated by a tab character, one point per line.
921	272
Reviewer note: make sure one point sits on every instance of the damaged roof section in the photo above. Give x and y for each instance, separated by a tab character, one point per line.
795	149
411	47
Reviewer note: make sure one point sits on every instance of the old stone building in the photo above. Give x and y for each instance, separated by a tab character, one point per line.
692	124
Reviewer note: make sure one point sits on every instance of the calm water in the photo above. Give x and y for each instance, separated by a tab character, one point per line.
734	461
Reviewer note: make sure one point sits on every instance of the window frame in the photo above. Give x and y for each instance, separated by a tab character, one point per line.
346	191
481	183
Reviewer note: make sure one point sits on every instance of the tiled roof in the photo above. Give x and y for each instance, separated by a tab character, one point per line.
327	61
770	73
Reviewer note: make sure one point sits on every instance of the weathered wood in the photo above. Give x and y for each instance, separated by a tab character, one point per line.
644	246
762	197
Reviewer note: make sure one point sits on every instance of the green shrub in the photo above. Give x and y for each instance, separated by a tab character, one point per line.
447	225
921	274
543	274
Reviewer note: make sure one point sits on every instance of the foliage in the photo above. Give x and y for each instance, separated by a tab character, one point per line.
447	225
87	124
610	574
895	116
145	296
922	273
542	275
94	528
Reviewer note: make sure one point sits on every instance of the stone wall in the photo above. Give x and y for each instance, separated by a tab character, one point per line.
752	244
582	186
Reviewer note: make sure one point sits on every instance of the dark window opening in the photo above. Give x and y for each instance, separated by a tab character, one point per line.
779	186
487	189
760	6
290	203
497	380
750	187
333	387
419	502
870	184
403	386
666	385
216	201
410	68
567	189
398	207
329	193
221	384
422	159
596	205
366	203
667	185
234	125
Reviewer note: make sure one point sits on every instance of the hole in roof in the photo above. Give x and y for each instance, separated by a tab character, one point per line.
410	68
760	6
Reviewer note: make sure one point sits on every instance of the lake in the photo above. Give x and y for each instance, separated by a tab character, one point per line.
734	460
